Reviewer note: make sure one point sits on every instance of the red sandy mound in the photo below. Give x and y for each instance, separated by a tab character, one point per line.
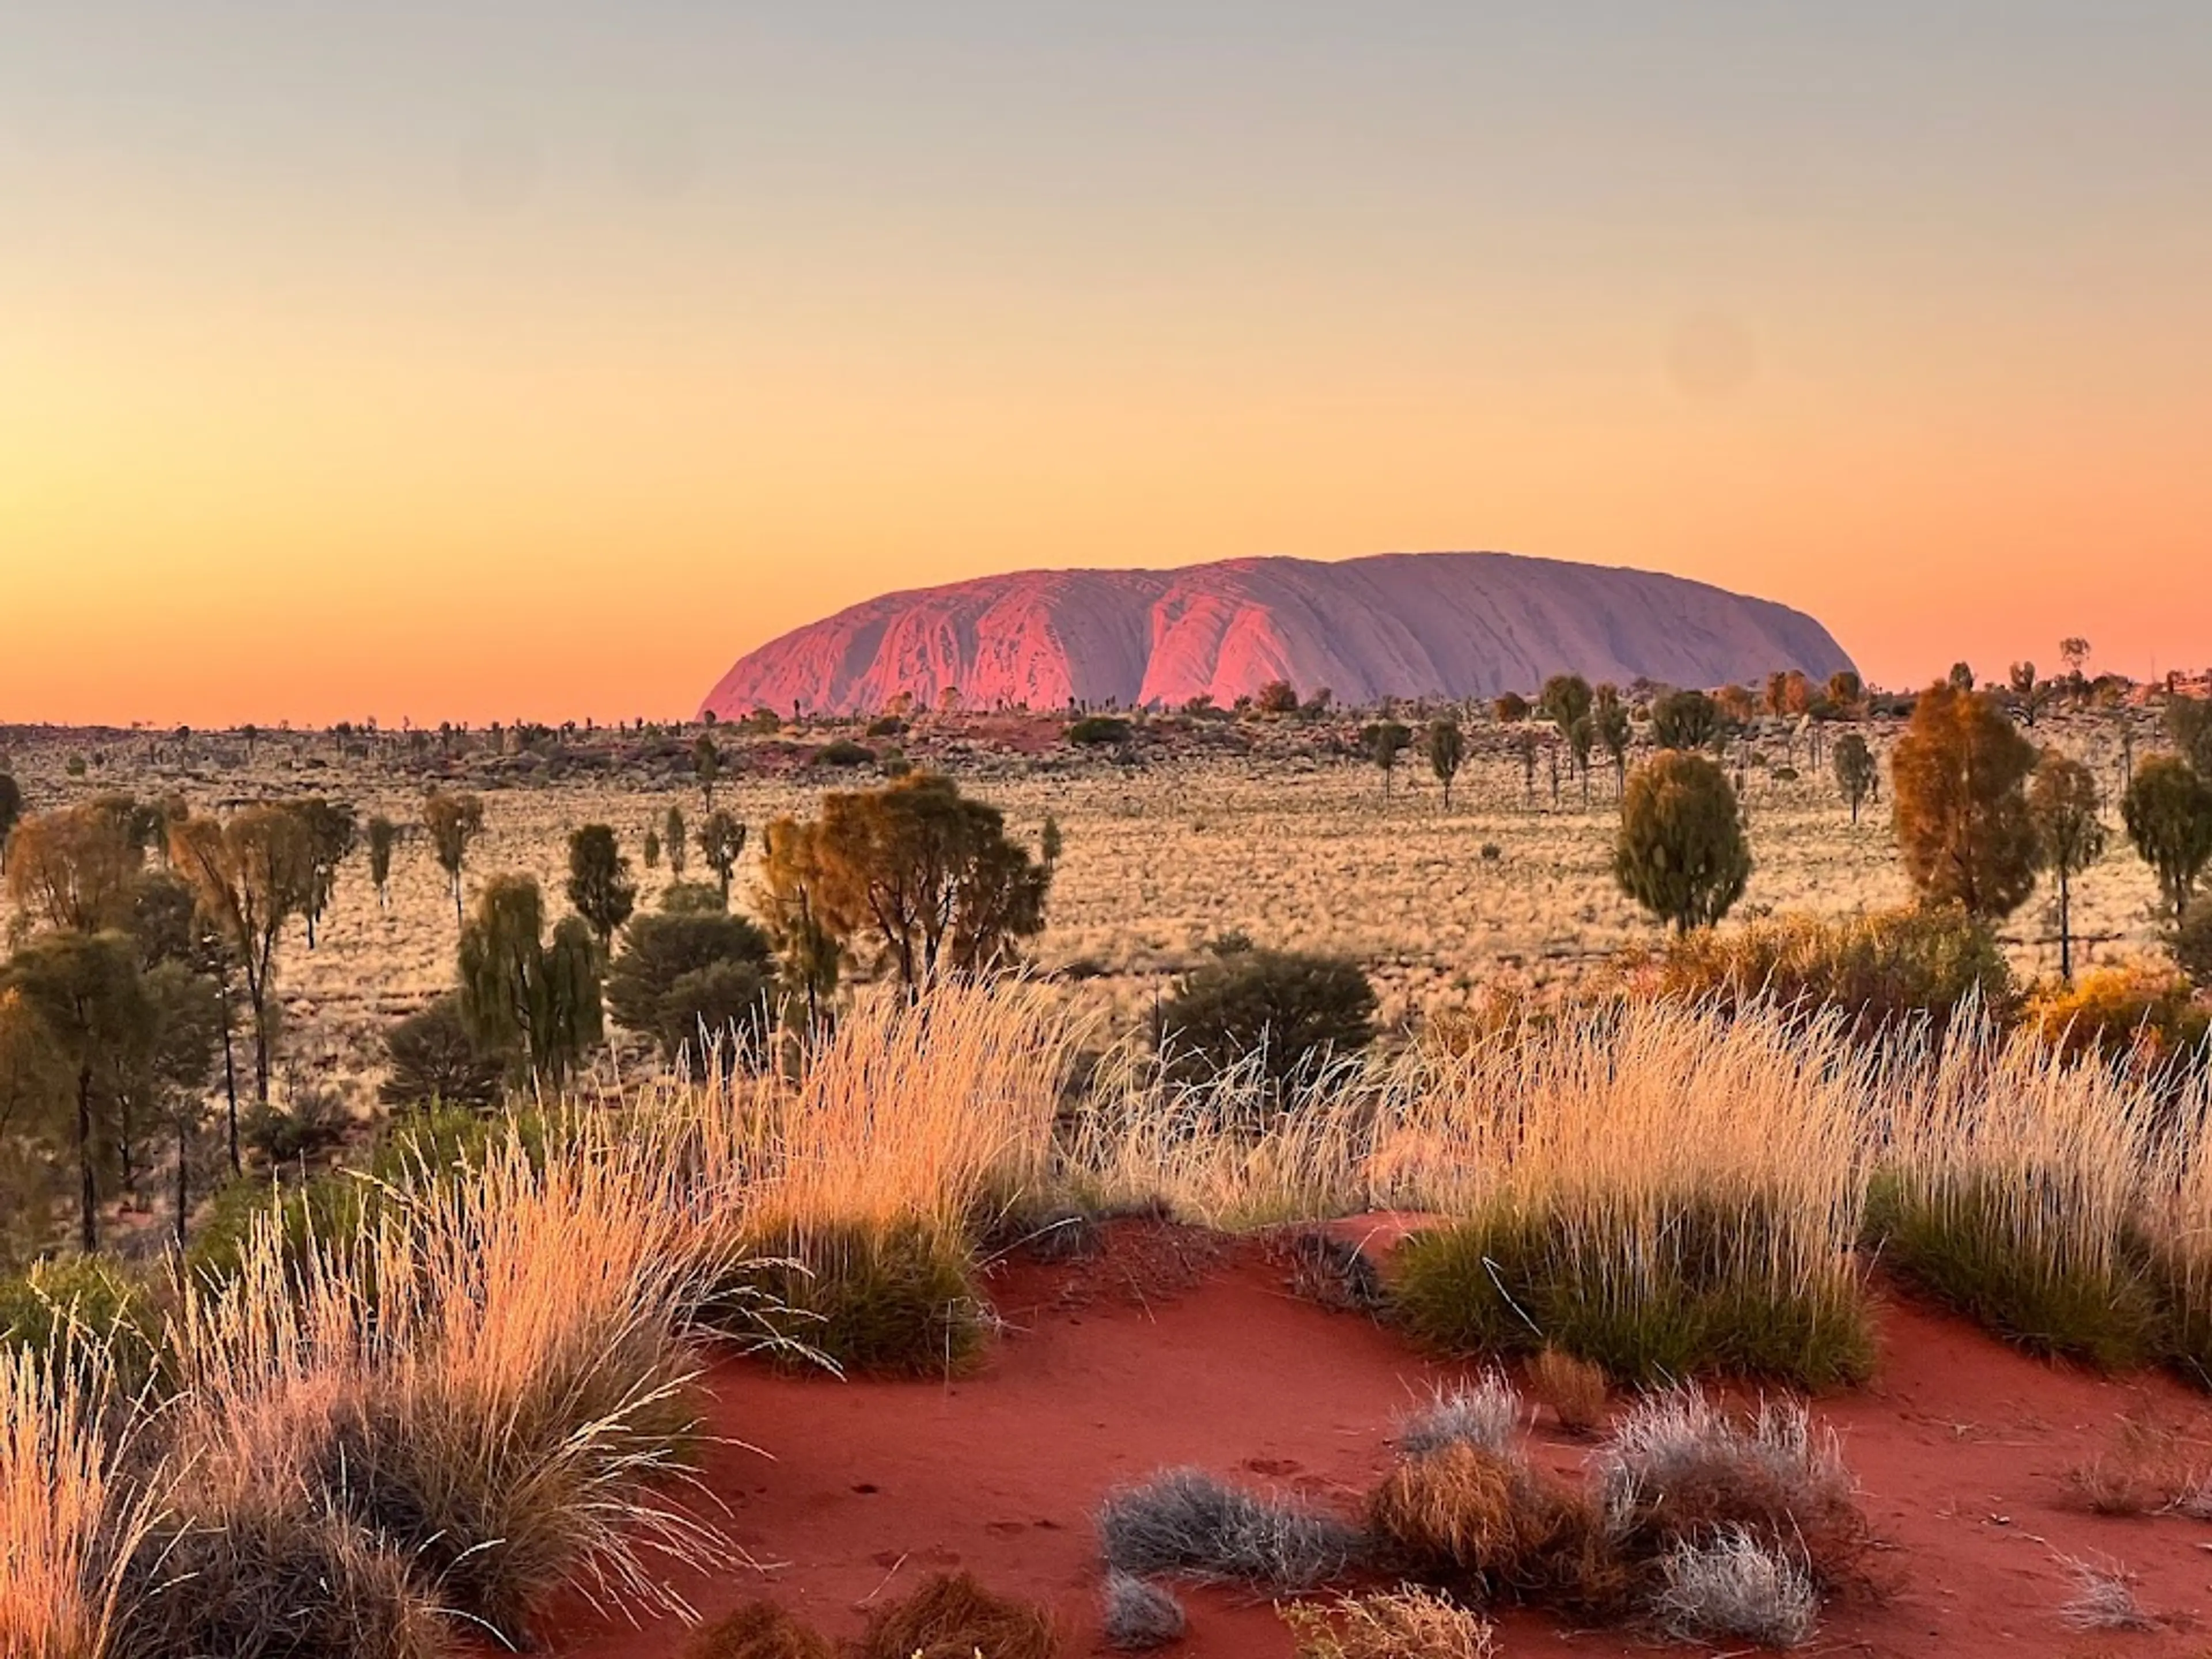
1173	1348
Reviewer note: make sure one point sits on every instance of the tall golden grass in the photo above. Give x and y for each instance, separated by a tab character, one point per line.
74	1513
480	1398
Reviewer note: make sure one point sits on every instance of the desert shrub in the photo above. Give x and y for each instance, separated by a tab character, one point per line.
759	1630
2138	1013
62	1305
2104	1597
1186	1523
1880	969
1094	731
1136	1615
328	1209
272	1580
844	752
2192	941
1680	1469
692	977
2174	1250
1488	1413
1493	1517
1574	1388
2009	1191
953	1617
1408	1623
889	1301
309	1124
1294	1009
1732	1586
1336	1272
888	726
1660	1191
434	1060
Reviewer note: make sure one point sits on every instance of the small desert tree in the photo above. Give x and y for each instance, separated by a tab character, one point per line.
693	978
1856	772
707	767
1686	720
1508	709
453	821
434	1059
11	813
382	837
1581	743
72	868
2026	690
1681	853
1276	697
329	830
87	990
1564	699
2062	800
721	843
924	877
2168	812
1446	746
1959	803
536	1002
252	872
599	885
1290	1011
674	841
652	849
1614	731
1385	741
791	881
2190	721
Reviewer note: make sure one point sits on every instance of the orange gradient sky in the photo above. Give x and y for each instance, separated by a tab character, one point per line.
440	365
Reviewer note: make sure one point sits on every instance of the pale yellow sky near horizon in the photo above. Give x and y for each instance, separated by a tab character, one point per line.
418	369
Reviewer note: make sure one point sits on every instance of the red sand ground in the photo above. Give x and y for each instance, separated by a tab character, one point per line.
1173	1348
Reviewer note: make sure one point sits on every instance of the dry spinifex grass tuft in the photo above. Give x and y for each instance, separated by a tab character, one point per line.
1408	1623
1575	1389
953	1617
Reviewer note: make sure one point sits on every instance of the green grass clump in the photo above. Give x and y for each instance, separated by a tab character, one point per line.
1964	1244
74	1298
1672	1296
898	1301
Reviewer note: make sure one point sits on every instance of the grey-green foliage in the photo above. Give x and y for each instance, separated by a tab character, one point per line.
1681	853
2168	812
1447	747
535	1001
599	885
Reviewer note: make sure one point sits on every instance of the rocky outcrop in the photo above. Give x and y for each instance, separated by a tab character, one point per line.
1397	625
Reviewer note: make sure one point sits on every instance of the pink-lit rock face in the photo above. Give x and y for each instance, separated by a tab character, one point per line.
1398	625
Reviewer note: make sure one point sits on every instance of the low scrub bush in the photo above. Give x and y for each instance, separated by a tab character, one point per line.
1882	970
1680	1470
759	1630
1136	1616
2140	1013
1493	1518
1294	1010
2192	941
1487	1414
436	1061
2010	1190
1574	1388
1097	731
67	1303
844	752
953	1617
1734	1587
1408	1623
1660	1191
1187	1524
891	1301
270	1578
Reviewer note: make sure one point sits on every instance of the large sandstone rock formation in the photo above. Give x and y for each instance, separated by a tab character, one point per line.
1398	625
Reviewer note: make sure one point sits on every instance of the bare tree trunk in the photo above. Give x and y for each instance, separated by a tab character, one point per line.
2065	928
184	1175
88	1191
230	1076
